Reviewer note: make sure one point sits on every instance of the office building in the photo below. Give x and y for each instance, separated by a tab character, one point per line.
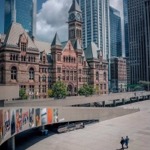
20	11
118	74
138	14
115	33
95	17
125	13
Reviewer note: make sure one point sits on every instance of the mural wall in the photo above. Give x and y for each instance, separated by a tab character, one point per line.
14	121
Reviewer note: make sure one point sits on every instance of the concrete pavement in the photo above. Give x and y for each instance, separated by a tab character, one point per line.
103	135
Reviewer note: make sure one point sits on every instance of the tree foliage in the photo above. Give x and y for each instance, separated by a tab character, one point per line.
50	93
22	94
59	90
86	90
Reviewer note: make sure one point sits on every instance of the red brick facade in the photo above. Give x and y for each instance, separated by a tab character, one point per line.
23	62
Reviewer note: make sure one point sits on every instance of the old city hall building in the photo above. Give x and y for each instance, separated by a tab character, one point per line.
35	65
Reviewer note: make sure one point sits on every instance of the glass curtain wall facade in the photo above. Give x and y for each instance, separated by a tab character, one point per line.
23	12
147	37
115	33
137	42
95	17
125	12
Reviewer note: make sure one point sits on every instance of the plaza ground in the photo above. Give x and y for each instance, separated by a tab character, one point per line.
101	136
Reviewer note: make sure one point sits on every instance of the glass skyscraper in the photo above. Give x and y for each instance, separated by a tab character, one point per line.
95	17
125	12
115	33
21	11
139	33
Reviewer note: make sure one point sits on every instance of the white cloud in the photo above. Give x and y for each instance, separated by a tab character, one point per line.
52	18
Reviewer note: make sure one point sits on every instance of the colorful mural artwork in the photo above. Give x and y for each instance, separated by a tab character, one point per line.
43	116
6	125
37	117
31	118
55	115
1	125
13	122
18	120
49	115
25	119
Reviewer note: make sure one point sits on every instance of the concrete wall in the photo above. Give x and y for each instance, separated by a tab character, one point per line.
9	92
18	117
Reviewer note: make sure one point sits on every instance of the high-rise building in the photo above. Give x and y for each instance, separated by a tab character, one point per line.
139	34
115	33
95	17
125	12
21	11
147	36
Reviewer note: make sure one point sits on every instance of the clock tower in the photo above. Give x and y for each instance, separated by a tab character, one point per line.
75	23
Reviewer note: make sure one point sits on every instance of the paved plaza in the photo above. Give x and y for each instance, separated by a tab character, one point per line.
103	135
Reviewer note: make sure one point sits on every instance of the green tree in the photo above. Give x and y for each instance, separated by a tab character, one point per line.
86	90
22	94
59	90
50	93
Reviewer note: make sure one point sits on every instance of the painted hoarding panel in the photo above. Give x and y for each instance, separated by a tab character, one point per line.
37	117
25	119
18	120
6	123
31	118
13	122
43	116
49	115
55	115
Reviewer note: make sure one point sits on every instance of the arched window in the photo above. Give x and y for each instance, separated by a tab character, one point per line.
105	76
97	76
1	74
44	78
14	73
31	74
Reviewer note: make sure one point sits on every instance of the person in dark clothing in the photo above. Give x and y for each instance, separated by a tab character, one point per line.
122	142
126	141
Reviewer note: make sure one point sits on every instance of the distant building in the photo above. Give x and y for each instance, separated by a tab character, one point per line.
125	12
23	12
139	56
35	65
95	17
118	74
147	36
115	33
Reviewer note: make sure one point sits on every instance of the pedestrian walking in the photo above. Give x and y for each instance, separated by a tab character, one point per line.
122	142
126	141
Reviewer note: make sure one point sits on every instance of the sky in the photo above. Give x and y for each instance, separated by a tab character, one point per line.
52	17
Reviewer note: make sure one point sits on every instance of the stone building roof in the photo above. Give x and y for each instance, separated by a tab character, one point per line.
77	45
13	36
43	46
56	40
91	51
74	7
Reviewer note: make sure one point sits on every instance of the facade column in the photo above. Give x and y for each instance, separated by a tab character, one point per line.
11	143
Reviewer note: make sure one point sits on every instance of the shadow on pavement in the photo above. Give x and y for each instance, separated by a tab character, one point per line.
29	138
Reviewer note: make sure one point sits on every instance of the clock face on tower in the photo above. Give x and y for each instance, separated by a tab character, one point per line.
78	16
71	17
